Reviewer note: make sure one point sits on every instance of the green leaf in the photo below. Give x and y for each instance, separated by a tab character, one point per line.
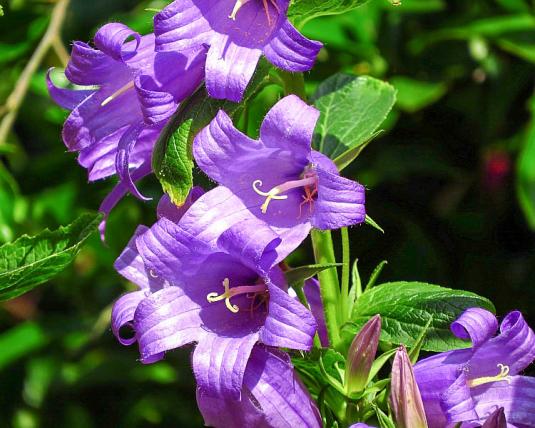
375	274
525	180
370	221
414	95
302	11
302	273
33	260
405	309
352	108
172	158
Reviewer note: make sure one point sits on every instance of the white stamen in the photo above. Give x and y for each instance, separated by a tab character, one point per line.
118	93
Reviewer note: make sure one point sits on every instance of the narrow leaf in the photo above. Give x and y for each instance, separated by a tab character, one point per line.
370	221
302	11
375	274
300	274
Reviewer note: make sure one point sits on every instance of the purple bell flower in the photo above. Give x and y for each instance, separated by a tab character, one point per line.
272	396
225	299
115	125
237	33
468	385
279	178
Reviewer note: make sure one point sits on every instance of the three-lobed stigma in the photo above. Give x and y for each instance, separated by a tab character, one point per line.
235	291
239	4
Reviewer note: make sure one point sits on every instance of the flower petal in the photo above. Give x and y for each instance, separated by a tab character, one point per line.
166	320
171	251
89	66
172	212
476	324
221	151
219	209
122	314
513	347
122	160
252	242
93	119
289	125
111	39
273	383
517	399
290	50
66	98
229	68
313	295
130	264
174	77
228	413
434	375
340	202
496	420
457	402
183	25
219	364
288	324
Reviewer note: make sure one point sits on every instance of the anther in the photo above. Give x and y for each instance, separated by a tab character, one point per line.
118	93
503	375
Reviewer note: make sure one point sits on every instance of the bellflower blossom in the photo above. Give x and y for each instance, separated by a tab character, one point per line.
279	178
468	385
237	32
272	396
115	124
225	300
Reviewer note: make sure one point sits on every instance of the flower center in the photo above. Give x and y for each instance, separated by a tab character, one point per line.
239	3
251	290
118	93
503	375
309	182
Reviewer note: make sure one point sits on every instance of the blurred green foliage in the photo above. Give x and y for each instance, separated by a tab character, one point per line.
451	181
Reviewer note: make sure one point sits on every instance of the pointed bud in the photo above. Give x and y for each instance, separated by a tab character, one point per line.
362	354
496	420
405	398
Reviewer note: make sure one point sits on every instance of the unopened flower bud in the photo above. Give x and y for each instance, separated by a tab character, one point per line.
405	398
362	354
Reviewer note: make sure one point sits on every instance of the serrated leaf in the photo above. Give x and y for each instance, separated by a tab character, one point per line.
302	11
405	309
33	260
352	108
172	159
302	273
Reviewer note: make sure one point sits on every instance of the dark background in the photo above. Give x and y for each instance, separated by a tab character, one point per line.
443	181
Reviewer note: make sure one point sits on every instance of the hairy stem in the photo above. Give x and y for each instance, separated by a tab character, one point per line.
344	302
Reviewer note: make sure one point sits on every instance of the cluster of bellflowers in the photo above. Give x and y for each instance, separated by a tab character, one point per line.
209	272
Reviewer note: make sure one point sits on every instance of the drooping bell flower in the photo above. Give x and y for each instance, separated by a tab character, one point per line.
115	124
467	385
361	355
237	32
272	396
279	178
405	399
226	300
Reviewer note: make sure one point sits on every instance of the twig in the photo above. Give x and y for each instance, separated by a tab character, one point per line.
50	38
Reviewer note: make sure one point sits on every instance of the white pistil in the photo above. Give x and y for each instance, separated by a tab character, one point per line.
503	375
275	192
118	93
237	7
236	291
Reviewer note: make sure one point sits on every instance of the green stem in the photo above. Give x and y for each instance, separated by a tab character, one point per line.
322	244
344	303
294	83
